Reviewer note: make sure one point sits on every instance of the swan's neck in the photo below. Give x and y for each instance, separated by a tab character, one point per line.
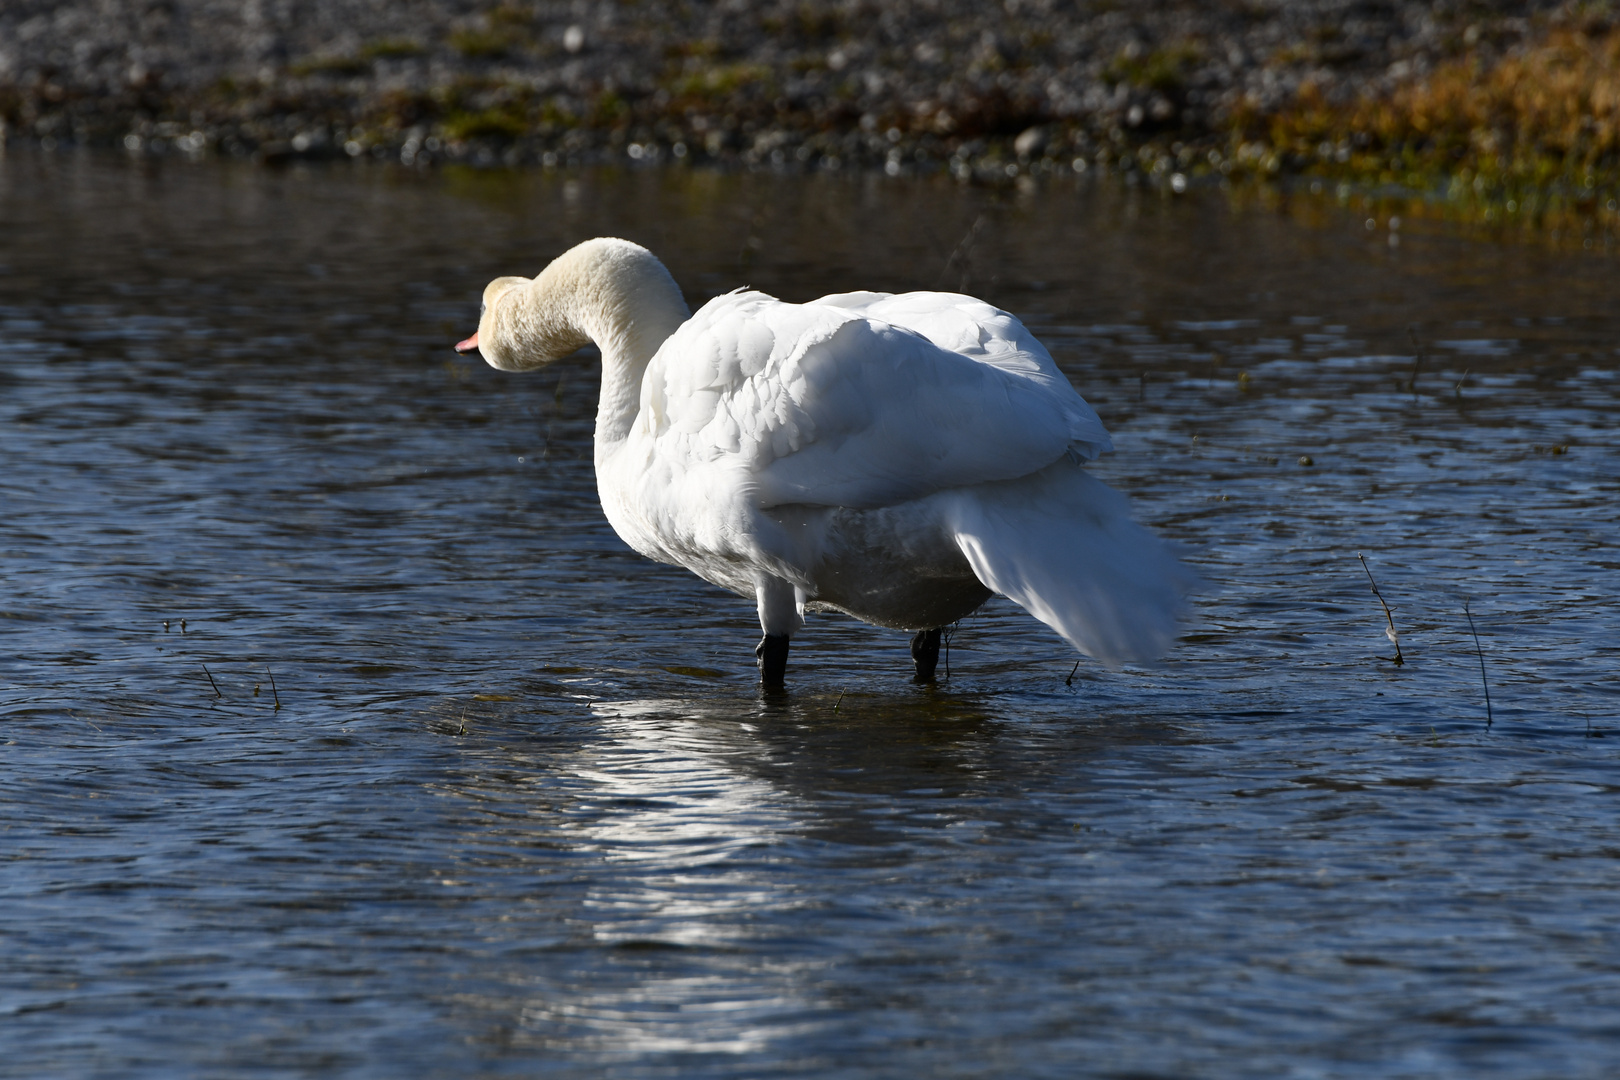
610	292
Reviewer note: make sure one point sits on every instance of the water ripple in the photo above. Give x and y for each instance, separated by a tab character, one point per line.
342	737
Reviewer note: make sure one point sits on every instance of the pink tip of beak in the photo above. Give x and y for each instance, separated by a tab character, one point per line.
467	346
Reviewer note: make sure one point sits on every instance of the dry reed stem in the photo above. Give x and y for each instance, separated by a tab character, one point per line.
1481	653
1391	633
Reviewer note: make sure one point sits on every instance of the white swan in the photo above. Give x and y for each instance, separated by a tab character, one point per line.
897	458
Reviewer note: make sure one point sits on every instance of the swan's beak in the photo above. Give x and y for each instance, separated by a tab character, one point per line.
469	345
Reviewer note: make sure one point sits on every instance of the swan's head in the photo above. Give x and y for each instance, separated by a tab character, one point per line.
609	291
488	340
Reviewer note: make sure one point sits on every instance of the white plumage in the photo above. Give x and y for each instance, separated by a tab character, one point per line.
895	457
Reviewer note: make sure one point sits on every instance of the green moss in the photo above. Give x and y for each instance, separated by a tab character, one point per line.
482	44
717	81
393	49
698	48
554	116
609	110
342	66
807	23
502	122
1164	70
511	14
400	109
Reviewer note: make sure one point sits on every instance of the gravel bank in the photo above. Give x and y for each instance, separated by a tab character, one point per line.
903	86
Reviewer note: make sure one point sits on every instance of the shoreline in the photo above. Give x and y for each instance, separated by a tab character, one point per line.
1390	212
1440	104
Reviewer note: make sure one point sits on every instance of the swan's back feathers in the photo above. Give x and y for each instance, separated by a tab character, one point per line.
973	328
860	399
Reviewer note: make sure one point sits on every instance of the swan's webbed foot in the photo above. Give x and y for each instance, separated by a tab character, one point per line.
772	653
925	653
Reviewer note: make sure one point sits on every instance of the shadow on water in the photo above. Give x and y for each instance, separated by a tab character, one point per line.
513	803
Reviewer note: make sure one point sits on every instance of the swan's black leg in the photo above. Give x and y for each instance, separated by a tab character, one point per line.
925	653
772	653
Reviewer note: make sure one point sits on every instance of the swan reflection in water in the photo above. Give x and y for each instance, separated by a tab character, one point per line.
721	775
715	823
713	827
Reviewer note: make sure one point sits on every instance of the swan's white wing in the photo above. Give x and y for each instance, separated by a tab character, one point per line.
827	404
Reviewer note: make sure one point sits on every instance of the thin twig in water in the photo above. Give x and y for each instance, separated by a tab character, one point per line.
273	689
211	681
1458	388
551	424
1070	680
962	252
1416	363
1394	637
1481	653
839	702
950	632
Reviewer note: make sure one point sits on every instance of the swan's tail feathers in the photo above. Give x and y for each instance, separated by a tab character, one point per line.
1061	544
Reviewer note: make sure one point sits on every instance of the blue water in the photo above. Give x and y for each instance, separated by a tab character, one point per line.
339	736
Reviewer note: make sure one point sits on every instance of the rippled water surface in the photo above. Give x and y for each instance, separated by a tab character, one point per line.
339	735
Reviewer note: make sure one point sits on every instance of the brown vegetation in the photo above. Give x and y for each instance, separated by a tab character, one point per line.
1535	132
